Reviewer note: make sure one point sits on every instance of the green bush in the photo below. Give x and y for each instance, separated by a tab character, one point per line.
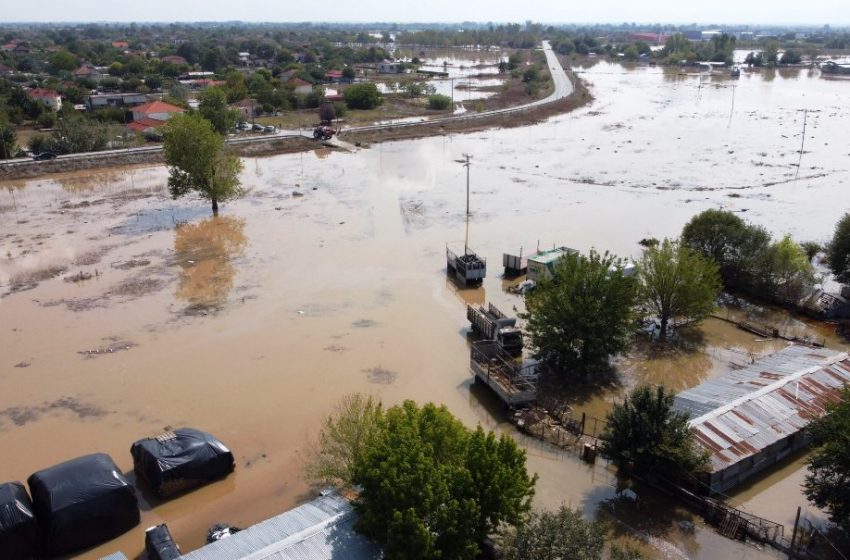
439	102
362	96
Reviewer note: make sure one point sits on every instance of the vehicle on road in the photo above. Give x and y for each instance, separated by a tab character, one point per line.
257	127
269	128
44	156
323	133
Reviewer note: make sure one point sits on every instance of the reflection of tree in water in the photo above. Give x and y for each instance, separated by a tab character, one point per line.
204	251
679	364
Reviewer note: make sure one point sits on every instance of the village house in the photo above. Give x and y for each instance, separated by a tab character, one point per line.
120	44
387	67
334	76
174	59
245	108
47	96
88	72
107	100
5	70
751	418
302	87
152	115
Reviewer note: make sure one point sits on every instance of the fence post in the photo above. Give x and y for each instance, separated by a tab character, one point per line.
794	535
583	420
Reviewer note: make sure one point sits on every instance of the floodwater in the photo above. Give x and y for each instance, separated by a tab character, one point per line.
125	312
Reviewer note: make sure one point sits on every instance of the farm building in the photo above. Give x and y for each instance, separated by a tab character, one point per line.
322	529
753	417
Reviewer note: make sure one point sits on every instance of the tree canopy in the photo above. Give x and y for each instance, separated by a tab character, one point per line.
677	282
839	250
431	488
213	107
645	435
559	535
583	314
827	483
197	160
362	96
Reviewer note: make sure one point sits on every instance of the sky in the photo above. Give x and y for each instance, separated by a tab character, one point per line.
791	12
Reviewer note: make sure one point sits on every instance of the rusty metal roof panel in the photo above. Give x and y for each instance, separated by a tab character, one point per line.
740	414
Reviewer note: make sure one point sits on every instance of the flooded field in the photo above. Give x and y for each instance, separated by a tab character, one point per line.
124	312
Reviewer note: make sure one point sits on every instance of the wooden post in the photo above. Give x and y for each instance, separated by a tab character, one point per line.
583	419
796	524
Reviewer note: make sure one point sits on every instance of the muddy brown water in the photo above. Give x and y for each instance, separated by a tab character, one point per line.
253	324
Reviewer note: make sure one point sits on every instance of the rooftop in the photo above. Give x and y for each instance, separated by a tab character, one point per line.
158	107
552	255
746	411
322	529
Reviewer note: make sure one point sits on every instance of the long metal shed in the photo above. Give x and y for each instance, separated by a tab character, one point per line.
753	417
322	529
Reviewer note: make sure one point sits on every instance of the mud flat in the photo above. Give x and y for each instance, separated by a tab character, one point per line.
252	325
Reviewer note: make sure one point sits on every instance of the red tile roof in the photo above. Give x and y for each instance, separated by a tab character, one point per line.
40	93
299	82
143	124
120	44
334	73
157	107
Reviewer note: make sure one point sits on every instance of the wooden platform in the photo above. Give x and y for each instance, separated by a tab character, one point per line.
514	383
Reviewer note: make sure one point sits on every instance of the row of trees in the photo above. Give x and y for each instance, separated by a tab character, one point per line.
749	260
587	311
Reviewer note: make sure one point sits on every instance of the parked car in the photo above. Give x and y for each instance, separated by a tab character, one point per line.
270	128
244	126
257	127
44	156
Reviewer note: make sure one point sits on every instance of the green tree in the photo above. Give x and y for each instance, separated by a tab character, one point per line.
75	134
362	96
343	441
439	102
557	535
784	271
235	86
839	250
733	244
791	56
197	160
827	483
583	314
213	107
771	52
8	140
646	436
677	282
62	61
348	73
631	53
431	488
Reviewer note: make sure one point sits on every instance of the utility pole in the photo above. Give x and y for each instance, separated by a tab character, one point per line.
802	143
467	164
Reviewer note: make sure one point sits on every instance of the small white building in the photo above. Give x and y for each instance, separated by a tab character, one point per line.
47	96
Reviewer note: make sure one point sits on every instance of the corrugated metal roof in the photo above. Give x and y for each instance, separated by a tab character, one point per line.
115	556
745	411
551	256
319	530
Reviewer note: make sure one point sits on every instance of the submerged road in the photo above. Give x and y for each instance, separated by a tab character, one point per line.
563	88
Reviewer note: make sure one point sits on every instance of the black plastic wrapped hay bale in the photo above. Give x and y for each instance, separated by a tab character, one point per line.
179	460
19	535
82	502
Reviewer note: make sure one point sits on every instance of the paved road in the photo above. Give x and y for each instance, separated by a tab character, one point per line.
563	88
